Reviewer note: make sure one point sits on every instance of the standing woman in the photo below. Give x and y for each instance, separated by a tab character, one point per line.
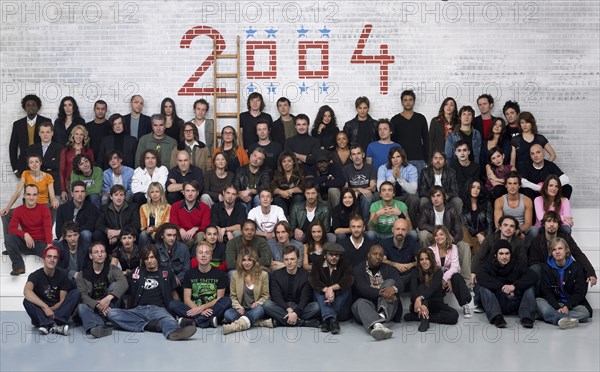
341	155
477	215
235	154
442	125
446	257
189	141
528	136
314	243
68	118
43	181
427	294
173	122
117	140
551	199
215	181
288	182
150	170
84	170
79	143
154	213
325	128
249	290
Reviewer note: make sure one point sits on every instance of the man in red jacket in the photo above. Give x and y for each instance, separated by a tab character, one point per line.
190	215
35	234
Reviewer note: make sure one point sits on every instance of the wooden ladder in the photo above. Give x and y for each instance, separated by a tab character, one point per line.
236	95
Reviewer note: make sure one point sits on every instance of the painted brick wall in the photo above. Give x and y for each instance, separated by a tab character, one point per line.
544	54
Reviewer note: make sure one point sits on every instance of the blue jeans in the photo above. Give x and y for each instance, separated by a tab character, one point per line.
365	206
61	315
552	316
180	309
339	309
134	320
15	246
496	303
310	311
419	164
89	317
258	313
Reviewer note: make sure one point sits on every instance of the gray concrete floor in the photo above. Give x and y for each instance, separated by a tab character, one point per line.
471	345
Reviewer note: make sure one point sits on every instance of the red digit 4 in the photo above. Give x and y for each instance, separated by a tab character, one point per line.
383	59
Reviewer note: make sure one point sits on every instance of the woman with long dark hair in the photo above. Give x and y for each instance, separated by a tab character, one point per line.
552	199
68	118
325	128
315	240
477	215
342	213
441	125
235	154
173	122
288	182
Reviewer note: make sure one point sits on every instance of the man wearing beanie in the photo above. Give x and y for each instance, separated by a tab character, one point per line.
506	287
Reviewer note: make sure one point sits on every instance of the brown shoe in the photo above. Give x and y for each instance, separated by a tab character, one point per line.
17	272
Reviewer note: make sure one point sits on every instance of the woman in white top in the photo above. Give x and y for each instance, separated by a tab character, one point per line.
151	171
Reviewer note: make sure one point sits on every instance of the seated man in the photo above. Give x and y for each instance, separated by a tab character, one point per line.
266	215
116	173
505	287
384	212
80	210
228	214
303	145
252	177
173	253
464	168
157	140
362	179
191	215
516	205
358	245
152	289
331	278
439	174
248	240
283	239
291	296
302	214
328	177
436	213
564	288
29	231
49	299
540	248
74	253
401	253
204	298
535	172
183	172
114	217
378	297
102	287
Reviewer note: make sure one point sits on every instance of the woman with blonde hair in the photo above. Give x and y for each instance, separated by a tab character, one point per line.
78	143
153	213
249	289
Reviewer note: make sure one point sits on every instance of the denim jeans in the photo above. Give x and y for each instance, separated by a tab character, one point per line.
258	313
180	309
15	246
61	315
496	303
339	309
90	318
134	320
310	311
552	316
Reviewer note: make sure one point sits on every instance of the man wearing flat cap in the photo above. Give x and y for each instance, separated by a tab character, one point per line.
506	287
331	278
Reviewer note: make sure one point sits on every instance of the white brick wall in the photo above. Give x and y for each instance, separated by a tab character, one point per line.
544	54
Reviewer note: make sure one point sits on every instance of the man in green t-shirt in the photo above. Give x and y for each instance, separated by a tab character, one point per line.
384	212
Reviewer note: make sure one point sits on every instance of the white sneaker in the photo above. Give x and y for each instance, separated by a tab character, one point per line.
478	309
568	323
466	311
60	330
381	332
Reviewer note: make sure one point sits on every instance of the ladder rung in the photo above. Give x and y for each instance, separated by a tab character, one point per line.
231	75
227	56
226	95
227	114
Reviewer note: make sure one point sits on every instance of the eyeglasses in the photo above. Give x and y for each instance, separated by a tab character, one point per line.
188	131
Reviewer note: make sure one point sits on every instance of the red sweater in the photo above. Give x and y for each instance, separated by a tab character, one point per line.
198	217
35	221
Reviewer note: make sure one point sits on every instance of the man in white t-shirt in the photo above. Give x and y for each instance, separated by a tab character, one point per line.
266	215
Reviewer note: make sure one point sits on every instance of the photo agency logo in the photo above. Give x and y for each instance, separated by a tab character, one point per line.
86	92
69	12
469	91
268	11
468	11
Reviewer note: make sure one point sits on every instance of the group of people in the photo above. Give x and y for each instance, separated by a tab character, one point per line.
158	227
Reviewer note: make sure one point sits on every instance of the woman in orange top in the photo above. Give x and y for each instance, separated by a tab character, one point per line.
235	154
